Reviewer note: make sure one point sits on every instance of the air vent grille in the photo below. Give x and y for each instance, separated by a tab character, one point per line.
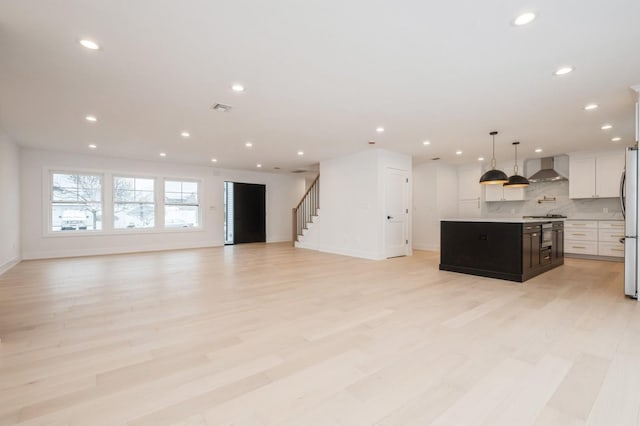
221	107
299	171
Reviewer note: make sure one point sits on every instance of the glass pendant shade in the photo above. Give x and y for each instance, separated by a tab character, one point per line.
516	181
494	176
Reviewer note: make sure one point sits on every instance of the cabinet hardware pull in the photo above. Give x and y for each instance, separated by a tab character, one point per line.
579	224
617	250
582	247
579	235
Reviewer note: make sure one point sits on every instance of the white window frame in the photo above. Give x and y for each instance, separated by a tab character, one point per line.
107	202
165	204
48	220
155	226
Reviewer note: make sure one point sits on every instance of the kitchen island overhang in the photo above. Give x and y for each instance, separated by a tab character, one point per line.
513	249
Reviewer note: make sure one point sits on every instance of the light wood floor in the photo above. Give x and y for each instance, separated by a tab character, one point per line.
269	334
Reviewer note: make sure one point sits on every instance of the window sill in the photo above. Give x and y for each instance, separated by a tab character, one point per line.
120	232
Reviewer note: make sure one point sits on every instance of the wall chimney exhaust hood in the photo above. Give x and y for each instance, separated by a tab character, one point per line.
547	173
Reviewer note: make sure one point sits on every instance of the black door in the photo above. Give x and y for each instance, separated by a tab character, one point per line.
248	213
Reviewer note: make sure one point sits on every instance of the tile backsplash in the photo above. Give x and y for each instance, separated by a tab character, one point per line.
599	208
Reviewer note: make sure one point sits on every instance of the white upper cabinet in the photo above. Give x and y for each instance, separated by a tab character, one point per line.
582	177
501	193
469	182
595	175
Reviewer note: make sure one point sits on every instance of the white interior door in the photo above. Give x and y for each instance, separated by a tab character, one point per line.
397	212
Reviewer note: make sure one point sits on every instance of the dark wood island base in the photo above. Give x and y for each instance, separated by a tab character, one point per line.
509	250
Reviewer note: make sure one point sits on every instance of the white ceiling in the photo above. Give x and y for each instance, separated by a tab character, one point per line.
320	76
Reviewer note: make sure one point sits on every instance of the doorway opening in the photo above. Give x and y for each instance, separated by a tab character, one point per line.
244	213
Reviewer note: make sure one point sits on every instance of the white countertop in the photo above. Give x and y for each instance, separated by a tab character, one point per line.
504	219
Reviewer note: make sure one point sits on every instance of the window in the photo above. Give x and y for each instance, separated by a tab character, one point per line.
76	202
133	203
181	204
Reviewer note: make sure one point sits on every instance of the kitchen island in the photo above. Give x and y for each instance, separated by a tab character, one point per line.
513	249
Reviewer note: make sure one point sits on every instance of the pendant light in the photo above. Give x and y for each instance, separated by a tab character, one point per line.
516	181
493	176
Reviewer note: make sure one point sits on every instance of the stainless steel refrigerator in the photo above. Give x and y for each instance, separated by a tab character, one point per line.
629	200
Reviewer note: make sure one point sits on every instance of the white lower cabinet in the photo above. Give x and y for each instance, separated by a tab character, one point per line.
593	237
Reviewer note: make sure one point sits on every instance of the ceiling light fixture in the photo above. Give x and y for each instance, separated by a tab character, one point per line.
214	160
493	176
248	145
237	88
538	150
590	107
480	158
258	165
380	129
185	134
89	44
616	139
524	19
92	146
301	153
515	180
425	143
163	154
563	70
91	118
458	152
606	126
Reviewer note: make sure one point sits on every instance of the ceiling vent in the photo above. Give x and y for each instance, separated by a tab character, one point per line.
299	171
221	107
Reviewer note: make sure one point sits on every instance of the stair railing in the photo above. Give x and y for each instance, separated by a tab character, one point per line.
306	209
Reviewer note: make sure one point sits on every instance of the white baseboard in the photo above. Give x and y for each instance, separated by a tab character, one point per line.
428	247
10	264
114	250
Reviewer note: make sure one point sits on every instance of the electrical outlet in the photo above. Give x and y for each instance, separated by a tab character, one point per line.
605	210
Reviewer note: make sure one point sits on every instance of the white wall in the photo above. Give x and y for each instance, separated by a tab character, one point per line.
10	203
434	198
282	194
352	209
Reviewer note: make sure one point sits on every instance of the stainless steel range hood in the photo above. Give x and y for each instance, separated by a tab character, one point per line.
546	173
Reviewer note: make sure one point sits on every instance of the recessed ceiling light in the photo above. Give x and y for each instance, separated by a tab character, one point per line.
606	126
92	146
258	165
616	139
91	118
380	129
480	158
524	19
563	70
89	44
248	145
425	143
300	152
185	134
458	152
589	107
214	160
538	150
163	154
237	88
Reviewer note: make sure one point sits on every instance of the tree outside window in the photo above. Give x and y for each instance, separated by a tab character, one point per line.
76	202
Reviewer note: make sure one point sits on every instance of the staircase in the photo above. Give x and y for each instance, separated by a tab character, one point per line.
306	210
